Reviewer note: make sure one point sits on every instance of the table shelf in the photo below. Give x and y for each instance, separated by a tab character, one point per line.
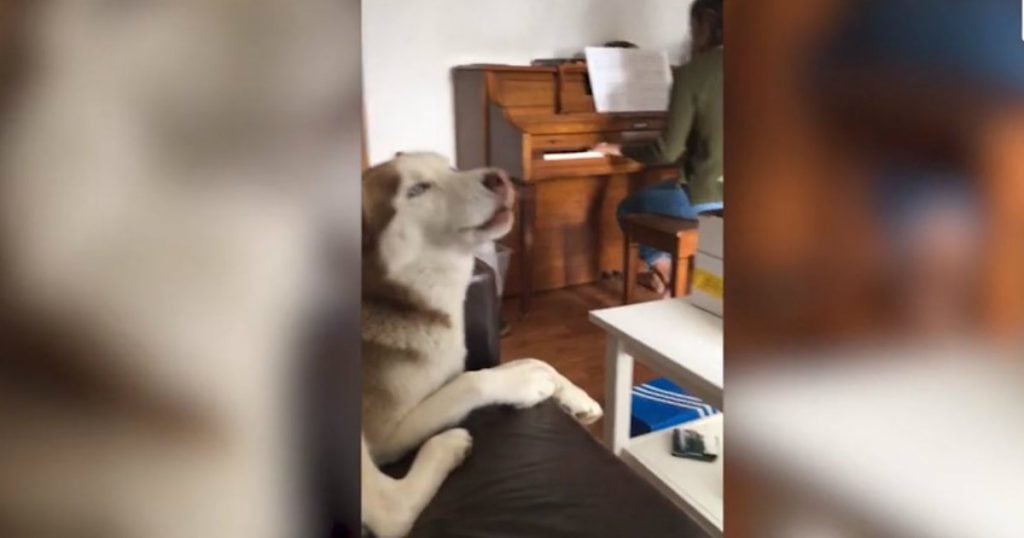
685	344
695	486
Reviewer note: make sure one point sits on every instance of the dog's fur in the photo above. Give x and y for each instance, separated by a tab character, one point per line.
422	222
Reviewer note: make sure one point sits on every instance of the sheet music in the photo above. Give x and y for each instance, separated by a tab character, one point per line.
629	80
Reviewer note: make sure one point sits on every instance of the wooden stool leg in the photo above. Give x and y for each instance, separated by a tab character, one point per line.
630	261
681	271
690	264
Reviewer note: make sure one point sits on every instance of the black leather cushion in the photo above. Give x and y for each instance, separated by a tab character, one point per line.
536	473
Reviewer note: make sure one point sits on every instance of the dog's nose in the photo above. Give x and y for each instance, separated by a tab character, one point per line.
495	181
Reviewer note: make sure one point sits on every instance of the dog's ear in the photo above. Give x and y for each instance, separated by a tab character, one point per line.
398	246
380	185
375	217
369	238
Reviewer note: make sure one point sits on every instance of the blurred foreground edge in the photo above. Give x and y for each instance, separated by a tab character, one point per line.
877	152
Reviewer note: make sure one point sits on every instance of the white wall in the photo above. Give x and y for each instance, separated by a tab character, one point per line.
410	46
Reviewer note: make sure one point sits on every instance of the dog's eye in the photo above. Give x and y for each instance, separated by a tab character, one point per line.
418	189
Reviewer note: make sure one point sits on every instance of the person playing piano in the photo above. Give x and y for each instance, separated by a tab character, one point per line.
692	137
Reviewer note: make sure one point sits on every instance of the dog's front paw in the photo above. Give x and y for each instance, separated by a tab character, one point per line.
579	404
449	447
527	386
572	399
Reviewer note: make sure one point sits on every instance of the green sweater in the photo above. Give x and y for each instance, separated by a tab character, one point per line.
694	131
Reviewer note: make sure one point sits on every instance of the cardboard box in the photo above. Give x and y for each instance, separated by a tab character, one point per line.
708	280
712	236
708	284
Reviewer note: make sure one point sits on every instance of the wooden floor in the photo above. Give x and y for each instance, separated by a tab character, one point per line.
557	330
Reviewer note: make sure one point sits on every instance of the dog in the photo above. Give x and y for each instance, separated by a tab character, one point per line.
422	221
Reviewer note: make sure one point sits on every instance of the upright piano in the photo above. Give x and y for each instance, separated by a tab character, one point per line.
537	123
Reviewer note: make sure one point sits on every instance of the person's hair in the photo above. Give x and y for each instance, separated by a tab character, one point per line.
708	14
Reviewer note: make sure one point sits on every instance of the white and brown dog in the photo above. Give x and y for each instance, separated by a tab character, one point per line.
422	221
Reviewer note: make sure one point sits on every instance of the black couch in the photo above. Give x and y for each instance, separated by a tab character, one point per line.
537	473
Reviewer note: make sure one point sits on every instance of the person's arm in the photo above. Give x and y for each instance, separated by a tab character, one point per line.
670	145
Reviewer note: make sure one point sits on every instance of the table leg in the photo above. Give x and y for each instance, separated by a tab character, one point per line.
618	393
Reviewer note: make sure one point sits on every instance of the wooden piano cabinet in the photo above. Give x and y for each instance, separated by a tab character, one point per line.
566	232
569	227
574	93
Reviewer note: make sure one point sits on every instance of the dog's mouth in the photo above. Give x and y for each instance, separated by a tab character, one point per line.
500	217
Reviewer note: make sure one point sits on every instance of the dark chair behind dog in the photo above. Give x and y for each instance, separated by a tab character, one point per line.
483	319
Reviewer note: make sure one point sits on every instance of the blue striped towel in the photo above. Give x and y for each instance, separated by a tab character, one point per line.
662	404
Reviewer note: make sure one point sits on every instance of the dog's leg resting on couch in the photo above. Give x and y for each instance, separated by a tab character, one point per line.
570	398
390	506
522	383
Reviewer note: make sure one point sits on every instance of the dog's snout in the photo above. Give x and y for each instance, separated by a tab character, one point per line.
495	181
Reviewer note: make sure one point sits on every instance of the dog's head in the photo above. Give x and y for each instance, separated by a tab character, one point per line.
417	203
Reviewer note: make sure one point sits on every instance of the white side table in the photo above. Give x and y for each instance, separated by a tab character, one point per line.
683	343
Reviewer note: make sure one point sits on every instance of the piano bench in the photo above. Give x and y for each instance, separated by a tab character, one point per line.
676	236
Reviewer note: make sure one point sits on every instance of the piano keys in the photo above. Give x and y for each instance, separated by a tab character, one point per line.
538	123
571	155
